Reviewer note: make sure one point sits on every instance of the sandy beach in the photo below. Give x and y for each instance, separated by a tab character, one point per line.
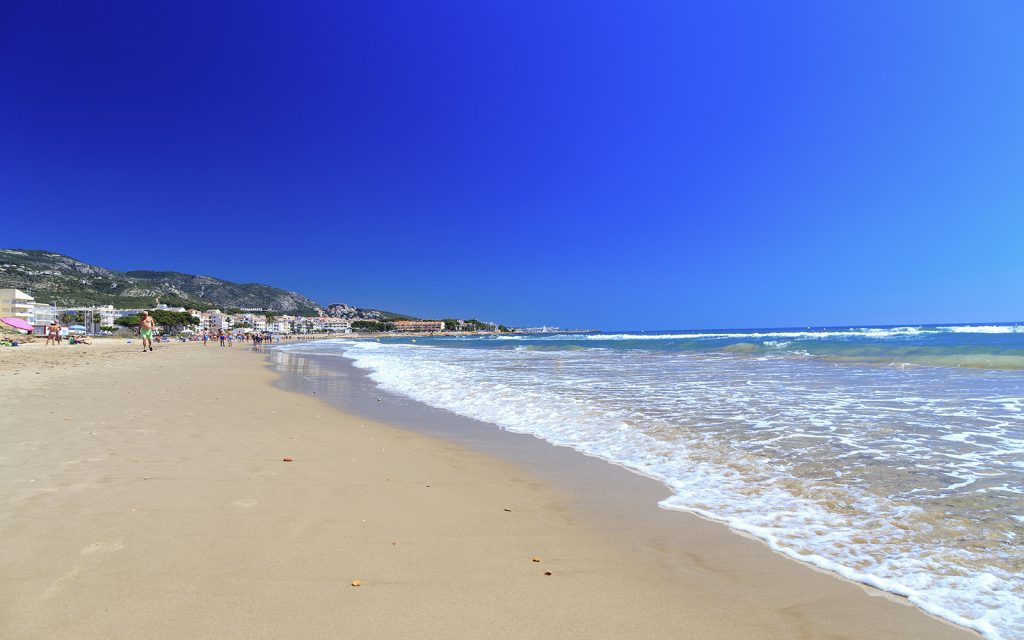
146	495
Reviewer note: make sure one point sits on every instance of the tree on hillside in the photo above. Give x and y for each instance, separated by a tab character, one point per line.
128	321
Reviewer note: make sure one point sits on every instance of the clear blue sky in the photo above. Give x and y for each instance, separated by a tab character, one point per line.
619	165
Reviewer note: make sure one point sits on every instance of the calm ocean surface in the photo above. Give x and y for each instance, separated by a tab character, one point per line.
893	456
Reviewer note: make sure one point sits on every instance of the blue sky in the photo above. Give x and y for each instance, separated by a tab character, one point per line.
617	165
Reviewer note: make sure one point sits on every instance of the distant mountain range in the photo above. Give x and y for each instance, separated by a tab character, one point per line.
58	279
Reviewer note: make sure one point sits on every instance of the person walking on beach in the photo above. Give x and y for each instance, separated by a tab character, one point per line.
146	326
53	333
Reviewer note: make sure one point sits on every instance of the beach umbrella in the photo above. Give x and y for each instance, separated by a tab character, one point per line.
77	327
17	323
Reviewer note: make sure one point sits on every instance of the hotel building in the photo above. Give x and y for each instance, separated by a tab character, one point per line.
334	325
16	304
42	315
215	320
419	325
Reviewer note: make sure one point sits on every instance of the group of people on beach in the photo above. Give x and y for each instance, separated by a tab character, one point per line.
147	334
54	337
228	340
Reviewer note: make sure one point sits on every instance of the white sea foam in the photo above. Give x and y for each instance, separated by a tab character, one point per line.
994	328
793	335
798	334
869	473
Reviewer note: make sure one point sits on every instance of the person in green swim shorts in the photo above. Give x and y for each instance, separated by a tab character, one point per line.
146	326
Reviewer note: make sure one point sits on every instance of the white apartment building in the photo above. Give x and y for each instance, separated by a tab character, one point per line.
332	325
16	304
215	320
255	320
43	314
281	324
105	315
204	320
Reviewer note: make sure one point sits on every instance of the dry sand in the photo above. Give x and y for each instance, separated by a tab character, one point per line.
146	496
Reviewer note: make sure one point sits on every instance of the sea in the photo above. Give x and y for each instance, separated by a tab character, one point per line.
890	455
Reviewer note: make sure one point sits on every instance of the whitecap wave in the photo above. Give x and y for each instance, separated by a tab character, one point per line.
990	328
809	334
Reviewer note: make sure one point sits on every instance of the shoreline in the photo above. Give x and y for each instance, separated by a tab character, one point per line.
604	492
165	510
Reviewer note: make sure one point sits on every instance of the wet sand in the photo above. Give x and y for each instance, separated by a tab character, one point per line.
146	496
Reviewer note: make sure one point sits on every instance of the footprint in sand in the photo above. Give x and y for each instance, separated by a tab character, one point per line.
245	504
113	545
61	583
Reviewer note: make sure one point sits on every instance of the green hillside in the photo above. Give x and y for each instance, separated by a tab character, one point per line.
62	280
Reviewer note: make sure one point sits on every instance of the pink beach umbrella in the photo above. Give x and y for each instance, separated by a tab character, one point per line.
17	323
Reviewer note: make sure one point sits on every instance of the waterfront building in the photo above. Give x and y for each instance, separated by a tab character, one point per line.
256	321
215	320
106	314
198	315
15	303
42	315
419	325
92	318
282	324
334	325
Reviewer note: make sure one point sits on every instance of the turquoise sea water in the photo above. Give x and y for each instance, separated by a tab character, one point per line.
893	456
986	346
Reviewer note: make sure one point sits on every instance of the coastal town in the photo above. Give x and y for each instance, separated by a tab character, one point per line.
20	312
